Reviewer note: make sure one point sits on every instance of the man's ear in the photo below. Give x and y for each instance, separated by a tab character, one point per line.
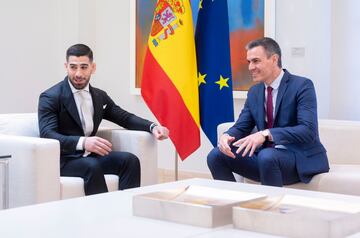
275	58
65	65
93	68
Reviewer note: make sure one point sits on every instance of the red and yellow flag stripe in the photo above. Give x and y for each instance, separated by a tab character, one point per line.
169	83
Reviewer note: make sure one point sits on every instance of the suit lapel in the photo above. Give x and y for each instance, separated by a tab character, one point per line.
261	108
69	102
282	89
97	107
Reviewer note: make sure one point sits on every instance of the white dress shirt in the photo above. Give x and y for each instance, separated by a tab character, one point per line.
78	100
275	85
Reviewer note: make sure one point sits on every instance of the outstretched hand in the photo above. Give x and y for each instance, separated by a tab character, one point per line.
224	143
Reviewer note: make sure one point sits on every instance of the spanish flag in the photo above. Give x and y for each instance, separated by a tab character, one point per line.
169	82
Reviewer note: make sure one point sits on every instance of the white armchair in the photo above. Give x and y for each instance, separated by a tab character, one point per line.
340	139
34	167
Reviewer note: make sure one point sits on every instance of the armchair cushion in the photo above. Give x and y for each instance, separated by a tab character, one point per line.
71	187
344	178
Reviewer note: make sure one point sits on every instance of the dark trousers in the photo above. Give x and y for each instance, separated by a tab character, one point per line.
93	168
270	166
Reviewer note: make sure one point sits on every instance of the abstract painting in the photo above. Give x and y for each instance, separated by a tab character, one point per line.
246	22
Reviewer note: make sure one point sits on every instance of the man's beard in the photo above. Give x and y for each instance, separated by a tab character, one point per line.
83	80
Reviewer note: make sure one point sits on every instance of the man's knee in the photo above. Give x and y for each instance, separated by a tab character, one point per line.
213	157
130	171
132	160
266	158
93	166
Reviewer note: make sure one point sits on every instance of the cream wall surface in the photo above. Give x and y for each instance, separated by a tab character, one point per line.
345	65
306	25
36	33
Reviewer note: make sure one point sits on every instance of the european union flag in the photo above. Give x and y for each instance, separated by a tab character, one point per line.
214	68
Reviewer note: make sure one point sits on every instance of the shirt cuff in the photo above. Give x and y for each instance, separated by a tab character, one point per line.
80	144
152	126
270	137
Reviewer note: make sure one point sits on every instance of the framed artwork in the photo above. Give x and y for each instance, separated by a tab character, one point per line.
248	20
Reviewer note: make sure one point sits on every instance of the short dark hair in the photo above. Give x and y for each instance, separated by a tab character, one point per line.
79	50
271	47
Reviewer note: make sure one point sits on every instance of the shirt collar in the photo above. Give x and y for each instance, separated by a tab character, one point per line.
276	83
74	90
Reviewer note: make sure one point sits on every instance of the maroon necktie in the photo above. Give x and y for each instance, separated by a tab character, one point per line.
269	108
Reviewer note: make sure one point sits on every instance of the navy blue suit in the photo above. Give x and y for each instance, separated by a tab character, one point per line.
295	126
59	119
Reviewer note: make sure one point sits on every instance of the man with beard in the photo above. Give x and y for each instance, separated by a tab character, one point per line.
71	112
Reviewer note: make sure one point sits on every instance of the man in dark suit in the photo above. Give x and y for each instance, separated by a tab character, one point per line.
71	112
282	107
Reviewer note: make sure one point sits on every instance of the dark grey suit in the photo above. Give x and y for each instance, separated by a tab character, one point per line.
59	119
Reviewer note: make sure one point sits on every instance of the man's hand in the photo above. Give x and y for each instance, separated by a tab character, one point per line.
249	144
97	145
224	143
160	132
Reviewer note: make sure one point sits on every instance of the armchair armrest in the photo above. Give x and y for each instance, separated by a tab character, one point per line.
34	169
140	143
221	128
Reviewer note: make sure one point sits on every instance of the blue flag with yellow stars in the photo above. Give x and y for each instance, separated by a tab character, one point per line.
214	68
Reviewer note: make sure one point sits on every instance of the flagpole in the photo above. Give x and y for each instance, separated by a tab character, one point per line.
176	166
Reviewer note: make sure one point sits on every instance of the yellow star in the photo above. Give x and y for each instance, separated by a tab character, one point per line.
200	4
201	78
222	82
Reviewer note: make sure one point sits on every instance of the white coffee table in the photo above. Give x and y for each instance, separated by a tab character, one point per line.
110	215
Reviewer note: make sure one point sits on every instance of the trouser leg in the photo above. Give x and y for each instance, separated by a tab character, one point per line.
223	166
90	170
277	167
125	165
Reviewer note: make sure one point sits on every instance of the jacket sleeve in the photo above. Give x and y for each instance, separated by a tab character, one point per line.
125	119
48	110
305	129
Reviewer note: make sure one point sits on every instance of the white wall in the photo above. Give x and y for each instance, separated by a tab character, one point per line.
345	82
36	33
306	25
33	36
